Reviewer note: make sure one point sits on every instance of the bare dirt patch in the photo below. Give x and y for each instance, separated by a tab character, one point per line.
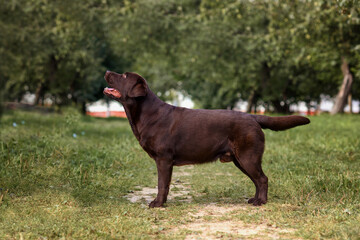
179	191
229	229
147	194
209	222
214	210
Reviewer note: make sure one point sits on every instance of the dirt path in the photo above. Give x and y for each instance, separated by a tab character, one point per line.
210	221
179	191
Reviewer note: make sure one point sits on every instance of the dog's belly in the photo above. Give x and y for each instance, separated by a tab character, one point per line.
180	161
196	158
200	152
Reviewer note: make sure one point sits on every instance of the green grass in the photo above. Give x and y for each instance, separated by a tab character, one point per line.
57	186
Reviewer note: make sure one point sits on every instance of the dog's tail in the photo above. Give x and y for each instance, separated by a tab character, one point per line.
280	123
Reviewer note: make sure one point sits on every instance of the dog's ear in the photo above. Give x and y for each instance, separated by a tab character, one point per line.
139	88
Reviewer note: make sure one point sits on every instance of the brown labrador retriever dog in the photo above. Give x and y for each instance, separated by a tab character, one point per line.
176	136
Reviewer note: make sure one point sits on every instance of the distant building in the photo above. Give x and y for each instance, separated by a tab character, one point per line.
103	109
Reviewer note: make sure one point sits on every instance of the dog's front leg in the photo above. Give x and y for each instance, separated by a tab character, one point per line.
164	168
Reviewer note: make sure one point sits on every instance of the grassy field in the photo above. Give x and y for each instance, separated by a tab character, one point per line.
66	176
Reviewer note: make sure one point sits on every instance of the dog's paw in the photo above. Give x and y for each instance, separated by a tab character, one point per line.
252	200
155	204
258	202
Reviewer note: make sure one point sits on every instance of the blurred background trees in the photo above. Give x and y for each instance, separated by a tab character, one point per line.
265	52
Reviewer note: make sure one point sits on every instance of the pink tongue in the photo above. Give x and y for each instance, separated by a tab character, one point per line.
112	91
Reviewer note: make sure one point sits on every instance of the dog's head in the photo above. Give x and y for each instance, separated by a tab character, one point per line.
125	86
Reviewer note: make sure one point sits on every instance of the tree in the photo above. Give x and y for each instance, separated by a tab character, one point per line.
273	53
330	32
54	49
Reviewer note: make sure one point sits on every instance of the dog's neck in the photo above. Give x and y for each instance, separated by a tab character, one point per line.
141	112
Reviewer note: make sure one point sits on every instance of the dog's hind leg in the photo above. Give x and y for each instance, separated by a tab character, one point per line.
249	162
237	164
258	177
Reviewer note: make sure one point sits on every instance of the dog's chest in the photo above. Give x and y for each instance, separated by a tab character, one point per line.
153	147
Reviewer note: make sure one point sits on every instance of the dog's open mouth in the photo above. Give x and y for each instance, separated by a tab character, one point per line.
112	92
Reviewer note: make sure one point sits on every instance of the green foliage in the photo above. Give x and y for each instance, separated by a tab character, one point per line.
55	48
215	51
220	51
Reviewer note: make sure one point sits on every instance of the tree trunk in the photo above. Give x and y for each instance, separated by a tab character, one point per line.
250	101
83	108
344	91
280	108
308	107
350	103
38	94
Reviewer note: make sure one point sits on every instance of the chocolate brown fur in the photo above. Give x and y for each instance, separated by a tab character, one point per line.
176	136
